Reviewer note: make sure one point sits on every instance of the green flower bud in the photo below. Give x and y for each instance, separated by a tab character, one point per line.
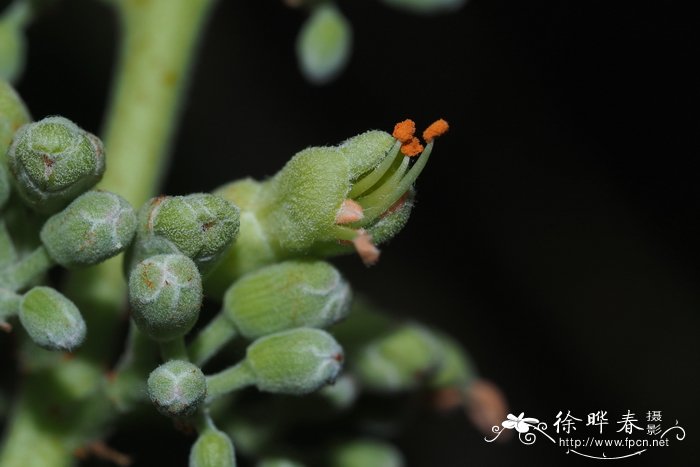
324	44
245	194
426	6
5	187
200	226
400	360
165	293
213	449
9	306
366	453
456	367
287	295
53	161
342	394
95	226
328	200
177	388
279	462
298	361
13	114
51	320
13	44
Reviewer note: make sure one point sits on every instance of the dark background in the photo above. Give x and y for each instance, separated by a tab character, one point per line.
556	230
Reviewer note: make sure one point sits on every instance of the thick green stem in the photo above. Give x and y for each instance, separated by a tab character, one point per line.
159	38
158	44
8	255
211	339
174	350
22	273
229	380
127	384
9	303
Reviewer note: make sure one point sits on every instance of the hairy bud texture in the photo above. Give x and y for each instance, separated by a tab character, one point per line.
298	361
53	161
287	295
165	293
177	388
51	320
212	449
200	226
95	226
327	201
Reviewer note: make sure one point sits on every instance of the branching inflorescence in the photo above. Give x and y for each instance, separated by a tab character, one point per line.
263	242
288	322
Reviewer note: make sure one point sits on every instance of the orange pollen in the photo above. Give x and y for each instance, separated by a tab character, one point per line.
369	253
350	211
412	148
403	131
437	128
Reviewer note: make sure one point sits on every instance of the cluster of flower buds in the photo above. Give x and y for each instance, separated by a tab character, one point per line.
259	245
200	226
327	201
46	170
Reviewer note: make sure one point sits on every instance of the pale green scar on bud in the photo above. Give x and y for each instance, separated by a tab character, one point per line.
165	293
95	226
298	361
287	295
51	320
200	226
177	388
53	161
212	449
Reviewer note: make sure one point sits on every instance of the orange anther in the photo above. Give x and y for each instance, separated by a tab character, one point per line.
412	148
403	131
437	128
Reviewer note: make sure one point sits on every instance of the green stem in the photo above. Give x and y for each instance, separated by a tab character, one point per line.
211	339
8	255
22	273
174	350
9	303
229	380
159	39
127	385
